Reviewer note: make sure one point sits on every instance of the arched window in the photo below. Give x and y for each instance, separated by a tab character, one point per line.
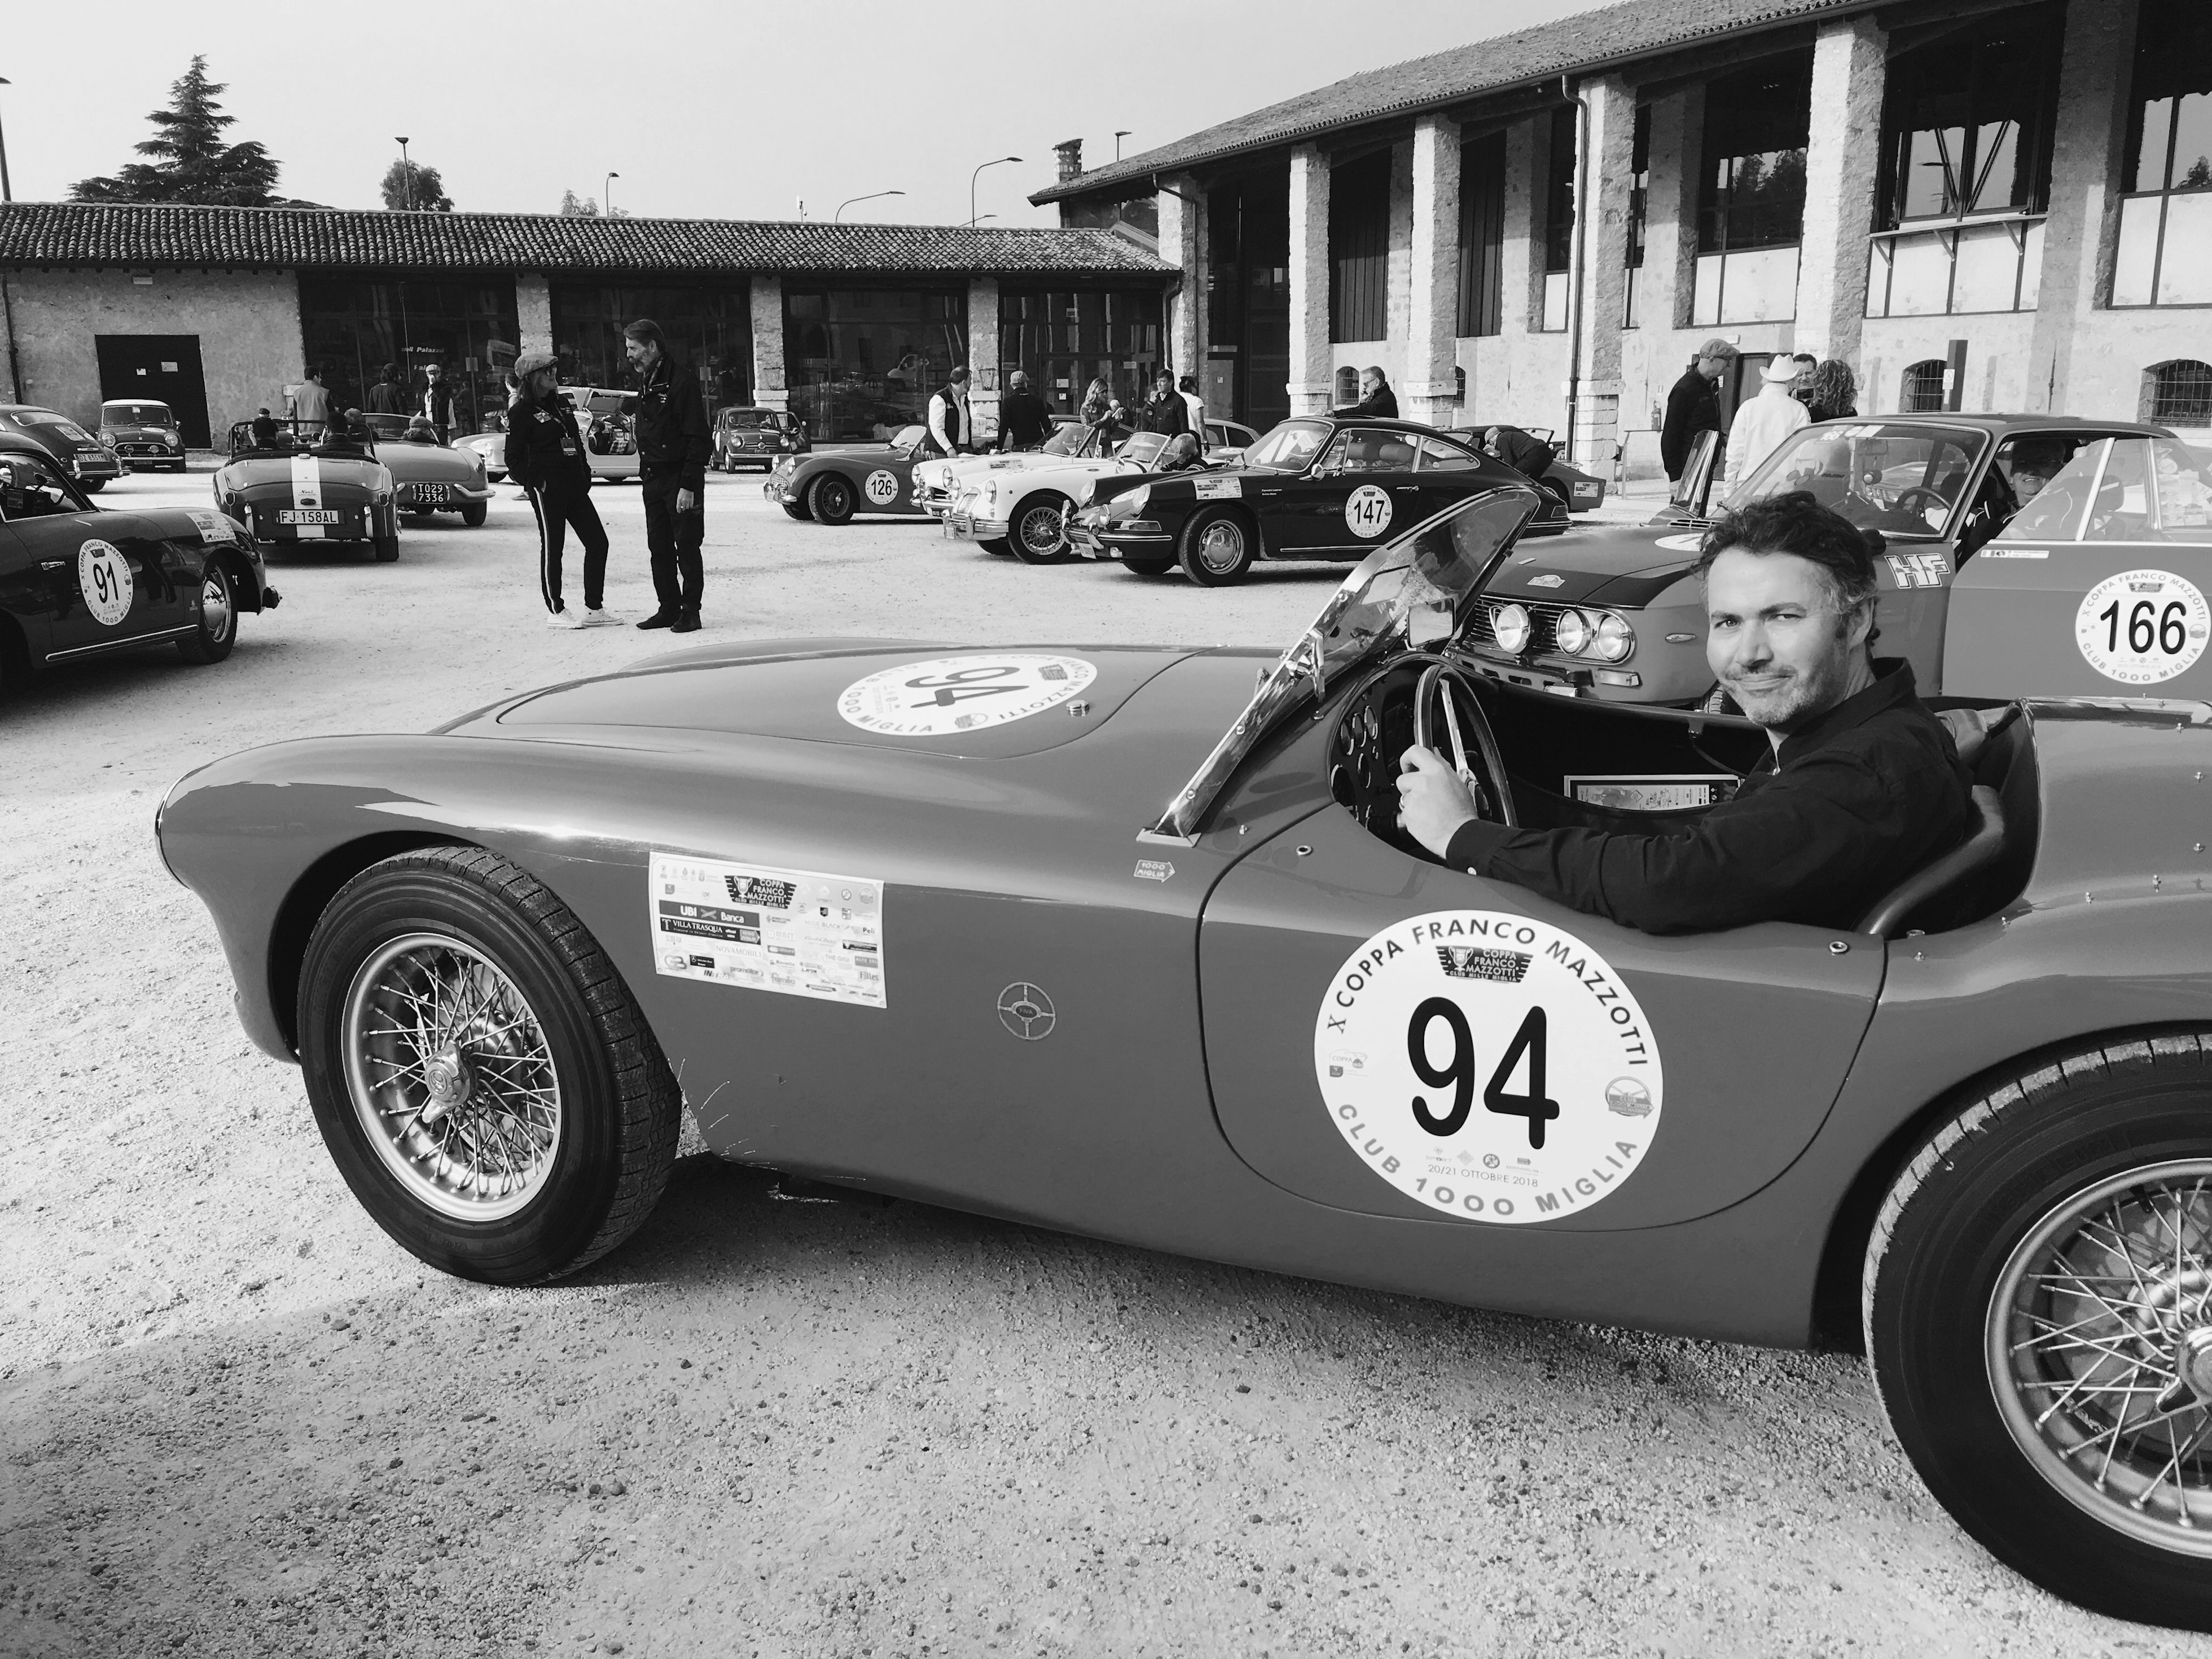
1922	392
1347	385
2177	392
1459	386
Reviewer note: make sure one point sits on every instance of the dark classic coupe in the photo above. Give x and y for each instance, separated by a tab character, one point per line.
75	451
78	582
1316	487
298	483
1104	939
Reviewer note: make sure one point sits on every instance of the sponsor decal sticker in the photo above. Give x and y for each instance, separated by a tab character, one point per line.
796	932
882	487
1489	1065
1154	870
1367	510
1680	543
1218	490
2016	552
1548	580
1919	569
2140	627
212	527
1672	792
105	581
946	695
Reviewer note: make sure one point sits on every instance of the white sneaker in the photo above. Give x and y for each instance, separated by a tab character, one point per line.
600	618
563	619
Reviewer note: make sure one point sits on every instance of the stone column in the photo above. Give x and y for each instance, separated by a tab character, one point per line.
983	388
1431	393
534	312
1310	382
769	390
1850	66
1521	260
2094	69
1182	244
1670	214
1601	211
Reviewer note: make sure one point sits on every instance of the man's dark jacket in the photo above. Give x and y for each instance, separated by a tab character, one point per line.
1529	456
1382	401
1023	421
1859	799
673	433
1166	416
1694	406
544	450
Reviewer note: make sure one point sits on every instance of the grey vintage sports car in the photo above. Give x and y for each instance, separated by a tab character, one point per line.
1104	939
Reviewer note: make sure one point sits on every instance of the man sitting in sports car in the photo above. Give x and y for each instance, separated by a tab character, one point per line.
1861	788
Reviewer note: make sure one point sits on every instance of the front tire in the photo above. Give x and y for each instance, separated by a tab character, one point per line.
833	499
1148	567
217	631
2038	1319
799	511
481	1074
1216	547
1039	535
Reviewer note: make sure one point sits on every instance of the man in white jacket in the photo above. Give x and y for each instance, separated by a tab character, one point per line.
1762	424
951	429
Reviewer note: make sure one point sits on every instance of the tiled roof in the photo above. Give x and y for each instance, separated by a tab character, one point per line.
1589	41
94	233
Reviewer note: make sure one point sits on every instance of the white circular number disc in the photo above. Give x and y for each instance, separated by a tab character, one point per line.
1489	1065
1367	510
105	581
2142	626
882	486
962	693
1680	544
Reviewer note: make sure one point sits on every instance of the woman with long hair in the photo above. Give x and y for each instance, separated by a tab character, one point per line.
1830	391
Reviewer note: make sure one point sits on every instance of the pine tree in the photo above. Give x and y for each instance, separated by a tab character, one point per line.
411	187
191	162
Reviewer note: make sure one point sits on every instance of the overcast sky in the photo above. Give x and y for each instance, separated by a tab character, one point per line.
738	110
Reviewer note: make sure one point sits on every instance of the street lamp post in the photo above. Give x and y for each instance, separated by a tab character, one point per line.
406	173
1119	133
607	195
849	200
978	173
6	191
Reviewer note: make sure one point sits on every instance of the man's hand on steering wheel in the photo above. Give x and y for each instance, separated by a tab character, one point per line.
1433	799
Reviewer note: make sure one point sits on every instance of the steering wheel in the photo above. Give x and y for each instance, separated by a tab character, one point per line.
1902	503
1445	704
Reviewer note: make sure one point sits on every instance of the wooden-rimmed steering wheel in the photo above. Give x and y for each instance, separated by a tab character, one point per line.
1445	705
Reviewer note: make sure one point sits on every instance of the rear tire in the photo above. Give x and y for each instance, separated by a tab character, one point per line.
1216	547
386	549
833	499
428	1107
92	486
2063	1425
474	514
217	631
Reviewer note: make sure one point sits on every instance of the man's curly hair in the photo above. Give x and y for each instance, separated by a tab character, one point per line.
1797	523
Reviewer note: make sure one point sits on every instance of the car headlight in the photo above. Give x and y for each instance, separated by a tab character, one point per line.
1509	626
1615	638
1131	504
1573	631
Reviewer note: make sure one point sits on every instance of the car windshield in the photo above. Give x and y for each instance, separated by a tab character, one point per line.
135	415
1142	447
1288	447
907	437
1901	478
1407	594
1072	439
745	418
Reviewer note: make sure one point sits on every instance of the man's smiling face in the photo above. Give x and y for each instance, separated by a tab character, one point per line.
1778	642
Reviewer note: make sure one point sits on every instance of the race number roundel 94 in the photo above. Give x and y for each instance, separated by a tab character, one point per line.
882	486
962	693
105	581
1489	1065
2142	626
1367	510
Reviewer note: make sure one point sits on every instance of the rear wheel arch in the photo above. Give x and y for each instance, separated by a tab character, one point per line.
245	589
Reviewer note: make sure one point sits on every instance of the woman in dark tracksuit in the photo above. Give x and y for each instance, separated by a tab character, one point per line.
545	456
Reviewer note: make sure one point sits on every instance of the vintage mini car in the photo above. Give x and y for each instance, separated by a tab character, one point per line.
77	582
830	485
1582	491
80	454
142	434
1107	941
429	476
1316	487
745	437
302	484
1984	596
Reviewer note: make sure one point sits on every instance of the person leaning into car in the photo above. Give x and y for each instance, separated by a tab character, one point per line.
673	442
1861	786
545	455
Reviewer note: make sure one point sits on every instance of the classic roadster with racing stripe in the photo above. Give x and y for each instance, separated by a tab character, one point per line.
1107	941
77	582
300	484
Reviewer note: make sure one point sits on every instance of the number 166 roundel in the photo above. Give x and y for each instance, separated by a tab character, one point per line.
1488	1065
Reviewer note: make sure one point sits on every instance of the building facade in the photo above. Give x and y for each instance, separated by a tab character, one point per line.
218	311
1973	203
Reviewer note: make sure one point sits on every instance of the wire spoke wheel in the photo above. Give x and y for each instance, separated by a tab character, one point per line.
2098	1345
450	1076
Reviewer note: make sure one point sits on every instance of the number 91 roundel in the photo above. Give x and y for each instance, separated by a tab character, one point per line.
1488	1065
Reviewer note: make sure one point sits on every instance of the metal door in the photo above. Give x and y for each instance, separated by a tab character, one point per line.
162	367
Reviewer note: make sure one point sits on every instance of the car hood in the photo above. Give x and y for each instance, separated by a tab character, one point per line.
421	464
1623	564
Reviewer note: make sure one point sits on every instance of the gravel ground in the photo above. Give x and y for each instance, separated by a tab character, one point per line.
237	1419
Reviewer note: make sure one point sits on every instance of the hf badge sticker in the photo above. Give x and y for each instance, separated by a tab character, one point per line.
797	932
105	581
2142	626
962	693
1489	1065
1367	511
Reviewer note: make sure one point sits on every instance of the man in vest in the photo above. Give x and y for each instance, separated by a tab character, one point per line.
951	430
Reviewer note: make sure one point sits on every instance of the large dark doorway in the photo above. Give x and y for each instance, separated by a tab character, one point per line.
1066	338
165	367
1248	322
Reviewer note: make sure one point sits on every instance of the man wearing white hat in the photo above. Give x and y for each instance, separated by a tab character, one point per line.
1762	424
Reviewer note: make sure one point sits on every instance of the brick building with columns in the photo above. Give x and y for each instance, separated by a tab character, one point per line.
217	310
1976	204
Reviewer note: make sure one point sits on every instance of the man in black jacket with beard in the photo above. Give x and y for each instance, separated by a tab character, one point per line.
673	444
1693	405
